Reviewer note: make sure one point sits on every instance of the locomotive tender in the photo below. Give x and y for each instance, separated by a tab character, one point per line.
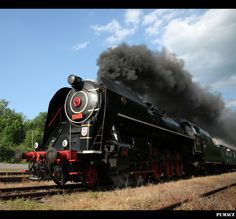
100	132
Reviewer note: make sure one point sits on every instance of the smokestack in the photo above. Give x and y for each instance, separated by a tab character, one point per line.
159	77
76	82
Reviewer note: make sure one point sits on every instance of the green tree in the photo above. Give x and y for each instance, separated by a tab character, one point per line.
18	132
12	130
34	130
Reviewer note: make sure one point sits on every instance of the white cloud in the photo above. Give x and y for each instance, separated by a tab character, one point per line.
133	16
110	27
154	20
154	28
231	103
206	43
227	83
152	17
118	33
80	46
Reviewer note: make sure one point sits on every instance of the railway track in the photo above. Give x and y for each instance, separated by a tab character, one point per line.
13	173
174	205
26	188
38	191
14	176
14	179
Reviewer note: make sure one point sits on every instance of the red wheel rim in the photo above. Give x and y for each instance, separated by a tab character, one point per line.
90	175
156	171
168	165
178	165
168	168
178	168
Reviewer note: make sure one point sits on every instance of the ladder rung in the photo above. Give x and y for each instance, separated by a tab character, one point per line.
98	137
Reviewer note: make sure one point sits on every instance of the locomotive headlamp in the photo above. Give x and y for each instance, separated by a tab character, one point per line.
36	145
64	143
76	82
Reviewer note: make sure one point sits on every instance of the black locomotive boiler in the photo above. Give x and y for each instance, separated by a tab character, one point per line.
104	132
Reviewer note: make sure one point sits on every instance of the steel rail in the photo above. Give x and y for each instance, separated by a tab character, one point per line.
13	173
41	187
39	194
28	192
14	179
205	194
28	188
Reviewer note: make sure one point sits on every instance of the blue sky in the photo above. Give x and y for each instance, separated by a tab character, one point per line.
39	48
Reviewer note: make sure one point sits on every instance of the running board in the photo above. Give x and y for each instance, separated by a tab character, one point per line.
90	152
34	178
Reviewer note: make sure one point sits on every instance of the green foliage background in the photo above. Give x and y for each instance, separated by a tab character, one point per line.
18	132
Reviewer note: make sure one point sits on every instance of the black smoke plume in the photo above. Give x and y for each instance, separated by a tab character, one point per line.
160	78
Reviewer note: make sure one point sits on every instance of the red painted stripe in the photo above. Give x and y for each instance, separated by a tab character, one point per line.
74	173
54	117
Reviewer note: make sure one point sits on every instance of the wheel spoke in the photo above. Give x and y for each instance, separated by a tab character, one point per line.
58	175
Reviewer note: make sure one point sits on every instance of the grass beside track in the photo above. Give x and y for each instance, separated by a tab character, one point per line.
141	198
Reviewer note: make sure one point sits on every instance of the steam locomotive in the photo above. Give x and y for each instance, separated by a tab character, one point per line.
103	132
